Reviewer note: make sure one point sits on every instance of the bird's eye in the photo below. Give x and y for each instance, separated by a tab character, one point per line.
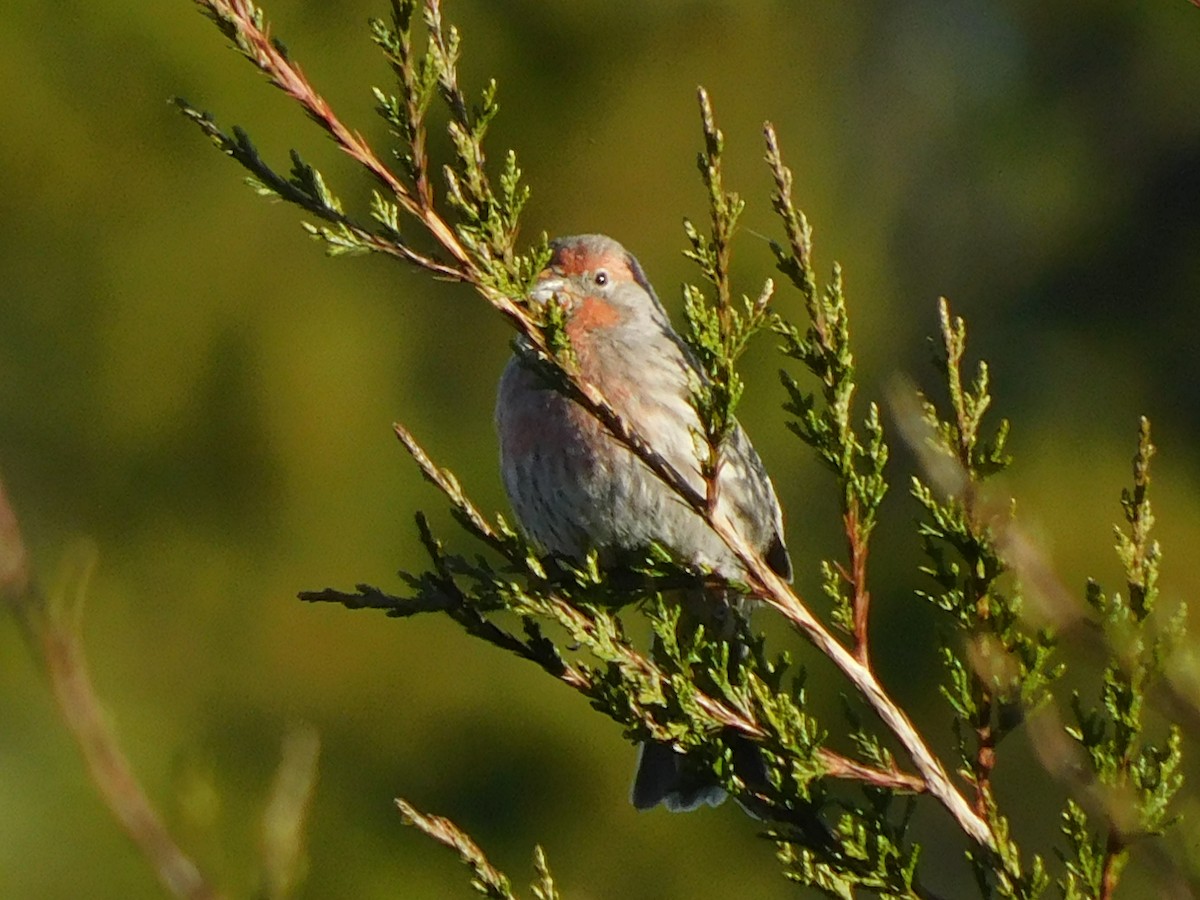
600	278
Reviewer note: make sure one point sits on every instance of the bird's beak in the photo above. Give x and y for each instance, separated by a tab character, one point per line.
548	286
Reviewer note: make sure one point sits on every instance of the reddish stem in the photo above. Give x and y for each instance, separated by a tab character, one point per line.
860	602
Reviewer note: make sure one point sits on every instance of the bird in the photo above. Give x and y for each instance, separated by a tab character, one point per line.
576	489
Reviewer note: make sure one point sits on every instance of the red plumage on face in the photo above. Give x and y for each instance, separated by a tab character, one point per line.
576	263
590	268
591	314
580	259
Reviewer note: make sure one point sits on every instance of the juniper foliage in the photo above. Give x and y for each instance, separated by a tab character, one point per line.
459	218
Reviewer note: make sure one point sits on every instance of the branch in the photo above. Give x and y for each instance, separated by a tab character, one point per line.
53	633
62	653
721	713
489	880
776	593
14	559
242	23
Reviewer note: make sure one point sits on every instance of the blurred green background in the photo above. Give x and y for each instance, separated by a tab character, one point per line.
190	386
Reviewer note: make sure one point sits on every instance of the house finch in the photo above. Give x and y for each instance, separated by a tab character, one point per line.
575	488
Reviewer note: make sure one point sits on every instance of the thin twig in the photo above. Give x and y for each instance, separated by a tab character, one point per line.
860	598
239	19
63	655
55	637
14	559
283	822
53	634
489	880
834	764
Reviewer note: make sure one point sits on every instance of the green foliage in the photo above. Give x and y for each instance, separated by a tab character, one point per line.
711	695
718	331
1001	872
874	852
1011	666
1135	776
1087	858
823	348
660	699
481	241
1008	669
1001	669
486	879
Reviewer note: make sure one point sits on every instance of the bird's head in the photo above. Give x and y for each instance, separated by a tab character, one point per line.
599	284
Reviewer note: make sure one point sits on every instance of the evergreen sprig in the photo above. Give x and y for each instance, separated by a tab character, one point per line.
469	262
823	348
1135	775
717	330
1008	667
657	699
998	668
480	239
486	879
691	690
476	245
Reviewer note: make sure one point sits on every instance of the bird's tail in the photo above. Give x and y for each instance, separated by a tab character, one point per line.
668	777
662	777
665	777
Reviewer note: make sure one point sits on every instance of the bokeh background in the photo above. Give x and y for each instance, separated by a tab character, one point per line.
190	389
